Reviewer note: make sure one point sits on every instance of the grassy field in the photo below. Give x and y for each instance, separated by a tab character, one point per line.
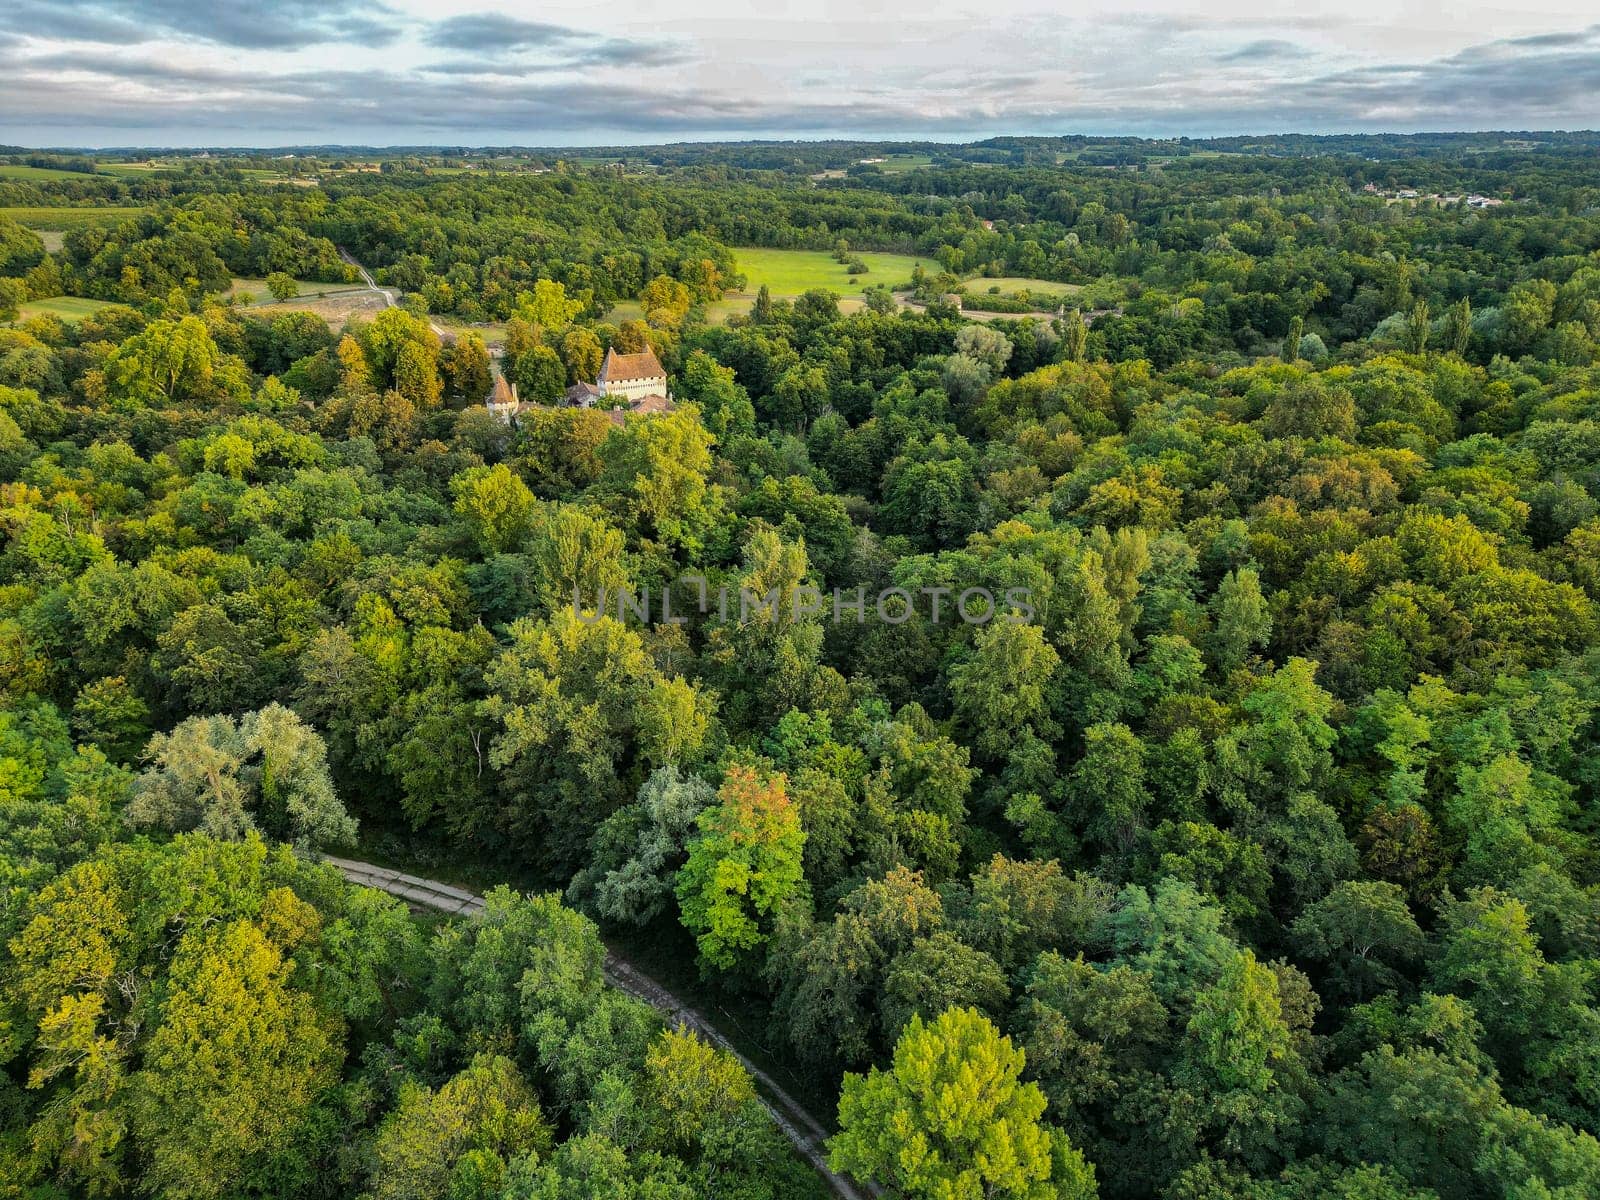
737	304
898	164
63	219
788	273
309	288
493	333
10	171
68	308
133	168
791	272
1016	283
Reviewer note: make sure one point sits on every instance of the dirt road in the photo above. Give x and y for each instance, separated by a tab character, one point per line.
803	1131
391	296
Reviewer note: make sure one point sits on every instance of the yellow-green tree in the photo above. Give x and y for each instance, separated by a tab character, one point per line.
547	307
235	1067
744	867
665	301
496	507
469	1131
951	1119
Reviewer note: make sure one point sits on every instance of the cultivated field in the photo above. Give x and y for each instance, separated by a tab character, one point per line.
63	218
341	302
898	164
42	174
134	168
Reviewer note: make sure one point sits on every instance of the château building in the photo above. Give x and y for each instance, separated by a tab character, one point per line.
627	383
632	377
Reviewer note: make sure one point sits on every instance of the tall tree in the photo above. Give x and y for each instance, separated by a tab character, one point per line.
743	869
951	1117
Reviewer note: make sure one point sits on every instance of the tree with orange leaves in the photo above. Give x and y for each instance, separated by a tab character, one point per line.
743	868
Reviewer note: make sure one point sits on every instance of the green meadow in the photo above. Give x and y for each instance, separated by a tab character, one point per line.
68	308
261	294
791	272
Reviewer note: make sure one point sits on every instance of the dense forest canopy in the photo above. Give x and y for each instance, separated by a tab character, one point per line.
1252	853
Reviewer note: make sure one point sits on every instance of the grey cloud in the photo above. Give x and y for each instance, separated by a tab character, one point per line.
495	33
1487	83
282	25
1543	40
1500	84
1266	48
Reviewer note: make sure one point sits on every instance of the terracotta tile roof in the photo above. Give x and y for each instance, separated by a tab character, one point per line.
645	406
502	392
644	365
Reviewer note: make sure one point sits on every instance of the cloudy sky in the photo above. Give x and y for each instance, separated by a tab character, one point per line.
391	72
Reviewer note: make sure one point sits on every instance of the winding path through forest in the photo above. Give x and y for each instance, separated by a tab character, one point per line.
391	297
803	1131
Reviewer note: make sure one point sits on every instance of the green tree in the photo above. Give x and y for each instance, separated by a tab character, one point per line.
1458	326
1240	618
832	975
539	374
761	310
700	1102
744	868
656	474
1365	933
724	404
235	1066
1001	690
267	770
1106	788
496	506
169	362
638	850
435	1145
582	712
1075	337
283	286
1417	328
951	1118
940	972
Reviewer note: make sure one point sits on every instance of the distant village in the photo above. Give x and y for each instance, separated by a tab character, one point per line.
1471	200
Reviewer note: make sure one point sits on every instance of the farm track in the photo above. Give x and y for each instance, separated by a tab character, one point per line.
802	1130
391	297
